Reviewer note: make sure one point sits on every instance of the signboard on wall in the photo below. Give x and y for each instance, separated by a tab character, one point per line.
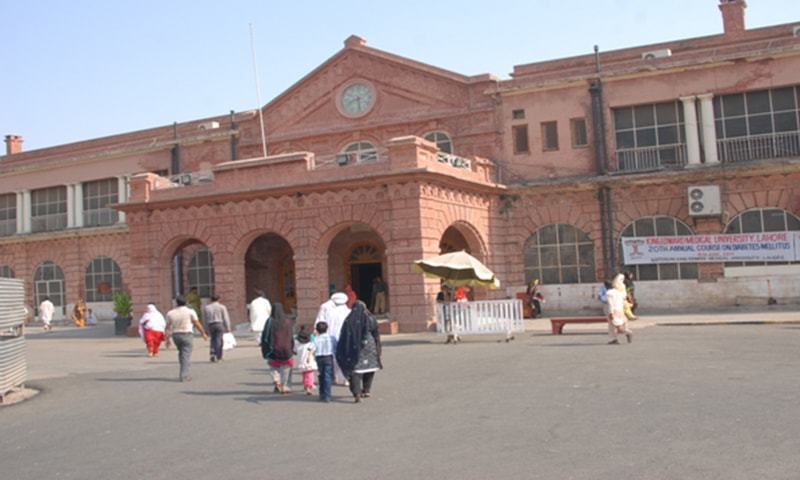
742	247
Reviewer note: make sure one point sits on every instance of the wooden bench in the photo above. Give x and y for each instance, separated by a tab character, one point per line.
557	323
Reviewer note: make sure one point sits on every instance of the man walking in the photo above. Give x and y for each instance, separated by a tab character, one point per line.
260	310
179	323
46	311
379	289
218	322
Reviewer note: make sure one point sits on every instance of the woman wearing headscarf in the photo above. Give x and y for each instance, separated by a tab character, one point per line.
358	351
277	348
151	329
618	322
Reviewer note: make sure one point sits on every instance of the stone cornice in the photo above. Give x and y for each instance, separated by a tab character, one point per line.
73	233
204	197
697	174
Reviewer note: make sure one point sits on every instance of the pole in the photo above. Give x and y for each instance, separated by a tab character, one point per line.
258	95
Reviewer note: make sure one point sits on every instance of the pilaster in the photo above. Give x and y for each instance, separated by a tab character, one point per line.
690	125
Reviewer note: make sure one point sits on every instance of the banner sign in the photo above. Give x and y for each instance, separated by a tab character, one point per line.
742	247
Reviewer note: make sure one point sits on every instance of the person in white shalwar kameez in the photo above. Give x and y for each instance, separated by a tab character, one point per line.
333	312
260	311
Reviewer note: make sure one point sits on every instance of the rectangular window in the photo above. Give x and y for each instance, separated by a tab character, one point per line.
649	136
8	214
518	114
49	209
520	138
97	195
549	136
758	125
579	135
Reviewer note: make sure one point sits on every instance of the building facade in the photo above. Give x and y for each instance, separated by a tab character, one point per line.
374	161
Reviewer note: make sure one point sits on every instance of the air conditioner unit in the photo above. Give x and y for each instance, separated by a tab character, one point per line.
182	179
653	54
704	201
342	159
796	31
208	125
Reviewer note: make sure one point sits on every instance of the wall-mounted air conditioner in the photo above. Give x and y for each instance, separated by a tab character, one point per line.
208	125
653	54
796	31
704	201
182	179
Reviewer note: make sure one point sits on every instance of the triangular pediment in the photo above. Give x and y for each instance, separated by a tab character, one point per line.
403	91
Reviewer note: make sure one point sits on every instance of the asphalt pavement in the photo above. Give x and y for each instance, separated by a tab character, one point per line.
680	402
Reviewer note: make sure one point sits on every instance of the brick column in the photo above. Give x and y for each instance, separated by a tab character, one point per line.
709	272
311	284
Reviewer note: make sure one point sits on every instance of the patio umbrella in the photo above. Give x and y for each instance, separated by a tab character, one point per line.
457	269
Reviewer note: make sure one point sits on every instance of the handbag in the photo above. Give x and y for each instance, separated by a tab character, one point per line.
228	341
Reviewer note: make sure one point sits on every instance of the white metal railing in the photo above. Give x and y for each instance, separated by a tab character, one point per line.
477	318
13	367
759	147
651	158
454	160
48	223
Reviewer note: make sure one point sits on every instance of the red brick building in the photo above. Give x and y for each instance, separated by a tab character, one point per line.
374	161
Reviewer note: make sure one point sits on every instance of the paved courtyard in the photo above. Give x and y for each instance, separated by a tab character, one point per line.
680	402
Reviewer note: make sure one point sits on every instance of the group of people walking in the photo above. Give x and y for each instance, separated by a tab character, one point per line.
344	347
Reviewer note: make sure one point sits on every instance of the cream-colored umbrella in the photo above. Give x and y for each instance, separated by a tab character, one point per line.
457	269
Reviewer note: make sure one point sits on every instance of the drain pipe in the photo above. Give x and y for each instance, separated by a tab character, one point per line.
604	193
175	154
234	145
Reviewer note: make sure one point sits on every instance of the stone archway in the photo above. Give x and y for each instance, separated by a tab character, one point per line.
269	266
357	256
191	266
462	236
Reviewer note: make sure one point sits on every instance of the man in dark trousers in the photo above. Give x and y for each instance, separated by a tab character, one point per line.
218	322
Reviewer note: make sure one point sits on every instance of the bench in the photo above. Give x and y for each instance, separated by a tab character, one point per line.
557	323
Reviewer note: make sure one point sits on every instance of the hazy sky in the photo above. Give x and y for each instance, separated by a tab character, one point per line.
80	69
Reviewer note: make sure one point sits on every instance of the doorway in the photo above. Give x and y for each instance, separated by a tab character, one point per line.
362	275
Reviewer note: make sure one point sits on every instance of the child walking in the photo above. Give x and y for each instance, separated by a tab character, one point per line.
304	360
324	350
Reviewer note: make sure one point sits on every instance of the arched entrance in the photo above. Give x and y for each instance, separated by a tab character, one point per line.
192	266
269	266
357	256
453	241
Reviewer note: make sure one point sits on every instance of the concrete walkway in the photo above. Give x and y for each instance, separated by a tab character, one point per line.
69	351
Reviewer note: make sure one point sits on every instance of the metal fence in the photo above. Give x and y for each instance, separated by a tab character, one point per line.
759	147
13	370
651	158
478	318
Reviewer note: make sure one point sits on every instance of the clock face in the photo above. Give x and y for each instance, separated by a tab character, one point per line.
357	99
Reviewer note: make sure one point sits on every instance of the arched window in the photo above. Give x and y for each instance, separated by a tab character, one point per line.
442	141
760	220
201	272
559	253
660	226
103	279
362	151
6	272
48	281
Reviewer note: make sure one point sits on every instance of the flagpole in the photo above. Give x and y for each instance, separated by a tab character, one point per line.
258	94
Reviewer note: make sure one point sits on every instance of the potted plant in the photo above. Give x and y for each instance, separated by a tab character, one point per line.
122	310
